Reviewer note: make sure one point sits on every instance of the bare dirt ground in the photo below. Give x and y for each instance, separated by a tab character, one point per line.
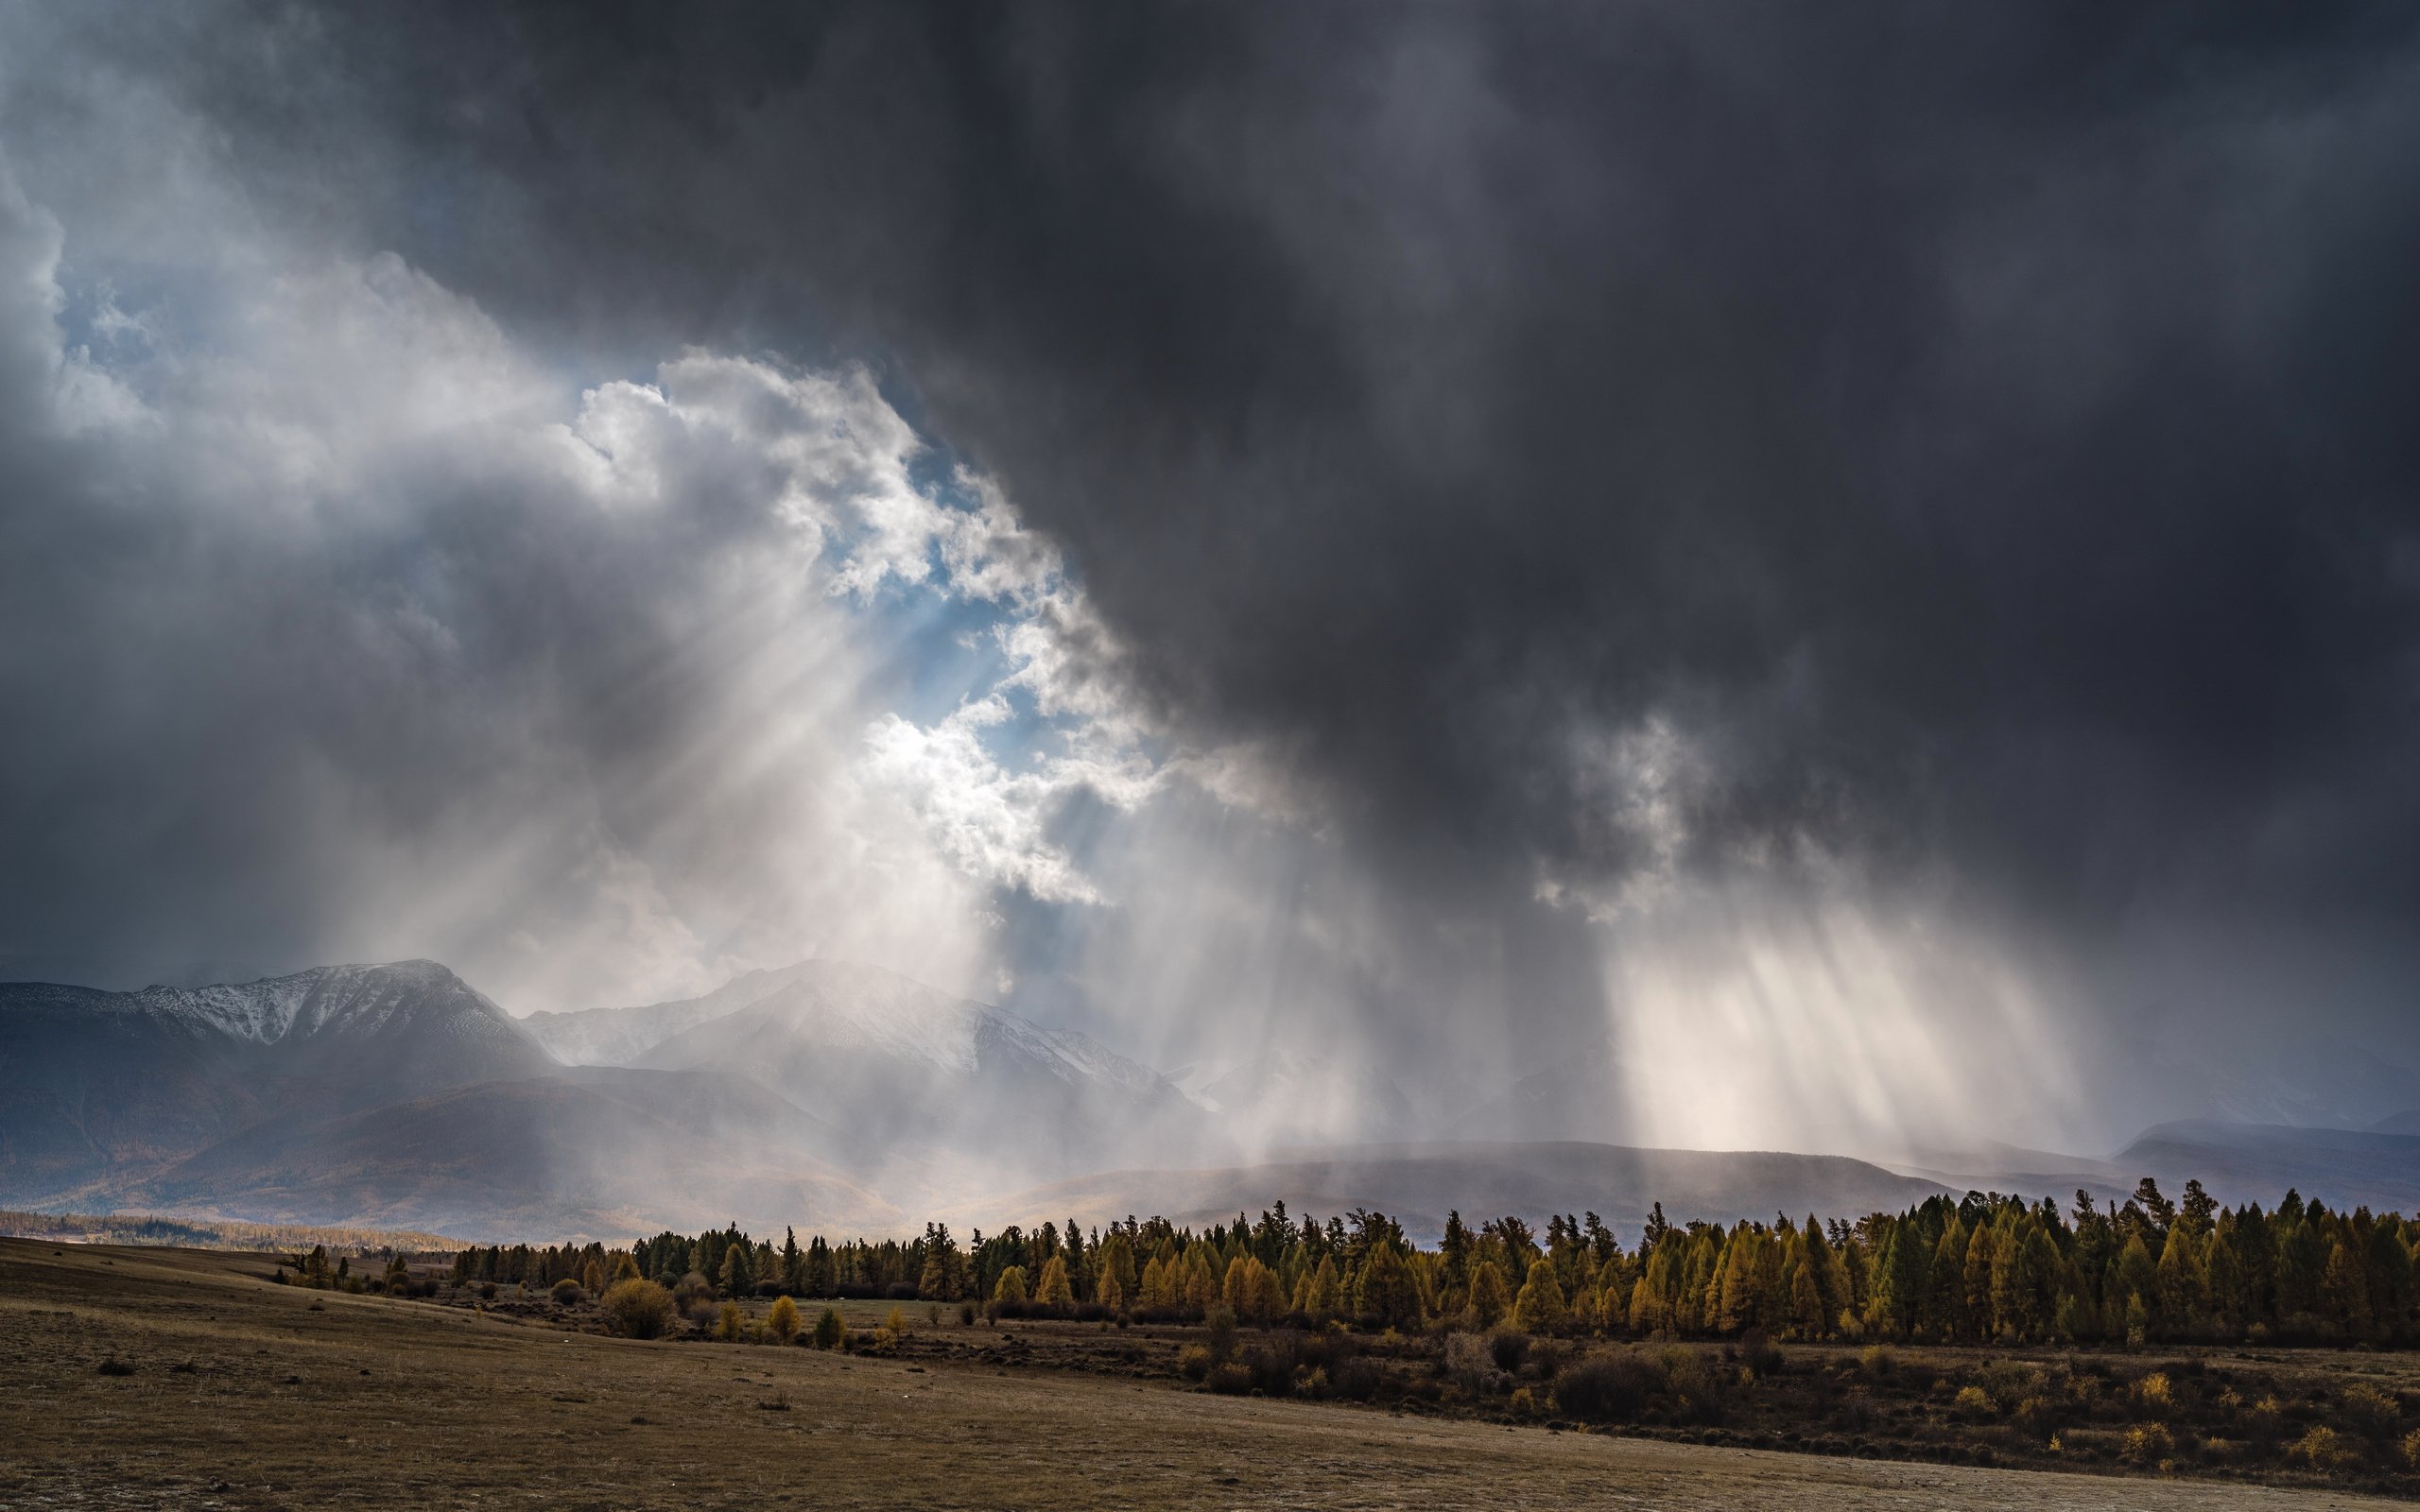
248	1395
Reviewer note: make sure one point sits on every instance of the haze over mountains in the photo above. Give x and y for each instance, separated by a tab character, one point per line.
843	1098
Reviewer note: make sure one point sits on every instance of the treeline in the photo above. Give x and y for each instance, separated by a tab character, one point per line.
1983	1269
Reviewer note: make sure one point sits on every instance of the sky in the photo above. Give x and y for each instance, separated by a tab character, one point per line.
1724	574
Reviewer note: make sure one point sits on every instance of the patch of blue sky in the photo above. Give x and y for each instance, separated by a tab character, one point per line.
934	652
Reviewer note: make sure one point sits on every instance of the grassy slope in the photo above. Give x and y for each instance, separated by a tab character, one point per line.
303	1398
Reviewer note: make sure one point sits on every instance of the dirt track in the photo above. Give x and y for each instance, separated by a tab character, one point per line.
298	1399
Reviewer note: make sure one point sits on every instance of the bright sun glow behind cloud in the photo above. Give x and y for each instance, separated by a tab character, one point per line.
596	691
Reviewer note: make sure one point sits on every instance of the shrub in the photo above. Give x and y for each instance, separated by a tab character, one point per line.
1974	1404
2370	1412
1612	1388
895	1324
966	1315
2153	1396
1193	1362
783	1322
1220	1324
830	1330
638	1309
2411	1449
1698	1389
1877	1360
1229	1380
2320	1449
2265	1419
1547	1358
1469	1363
2148	1443
1509	1348
567	1293
731	1324
115	1367
1756	1352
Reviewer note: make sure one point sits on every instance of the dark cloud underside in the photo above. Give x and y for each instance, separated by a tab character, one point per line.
1982	434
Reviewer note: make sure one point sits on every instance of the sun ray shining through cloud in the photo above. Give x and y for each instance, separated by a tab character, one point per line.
1427	574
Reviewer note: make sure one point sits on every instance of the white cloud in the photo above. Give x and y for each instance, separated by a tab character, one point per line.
571	689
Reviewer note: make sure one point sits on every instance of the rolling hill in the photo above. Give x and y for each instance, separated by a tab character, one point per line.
2257	1163
1418	1184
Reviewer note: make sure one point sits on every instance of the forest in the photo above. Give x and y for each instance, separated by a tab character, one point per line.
1987	1269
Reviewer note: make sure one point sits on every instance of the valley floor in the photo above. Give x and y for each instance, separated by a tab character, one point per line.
244	1395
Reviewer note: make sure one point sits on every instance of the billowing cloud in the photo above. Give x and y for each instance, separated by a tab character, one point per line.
1449	535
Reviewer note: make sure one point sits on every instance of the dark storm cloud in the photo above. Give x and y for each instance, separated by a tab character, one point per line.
1989	422
1980	435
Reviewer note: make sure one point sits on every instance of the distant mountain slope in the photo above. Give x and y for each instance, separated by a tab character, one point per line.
2398	1123
2257	1163
2018	1172
619	1037
93	1082
588	1152
920	1073
1281	1097
1418	1184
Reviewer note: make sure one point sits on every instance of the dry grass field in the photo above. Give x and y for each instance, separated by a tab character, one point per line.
248	1395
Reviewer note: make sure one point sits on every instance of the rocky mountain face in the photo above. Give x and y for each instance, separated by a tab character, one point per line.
99	1084
398	1095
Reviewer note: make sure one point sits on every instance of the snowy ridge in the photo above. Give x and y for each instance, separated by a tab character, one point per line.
349	1000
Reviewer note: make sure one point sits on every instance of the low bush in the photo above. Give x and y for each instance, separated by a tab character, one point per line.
1229	1380
1609	1388
2149	1443
2320	1449
830	1330
2369	1411
1759	1353
638	1309
2153	1396
1508	1347
783	1321
567	1293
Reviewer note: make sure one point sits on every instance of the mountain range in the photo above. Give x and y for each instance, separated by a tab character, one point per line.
842	1097
399	1096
